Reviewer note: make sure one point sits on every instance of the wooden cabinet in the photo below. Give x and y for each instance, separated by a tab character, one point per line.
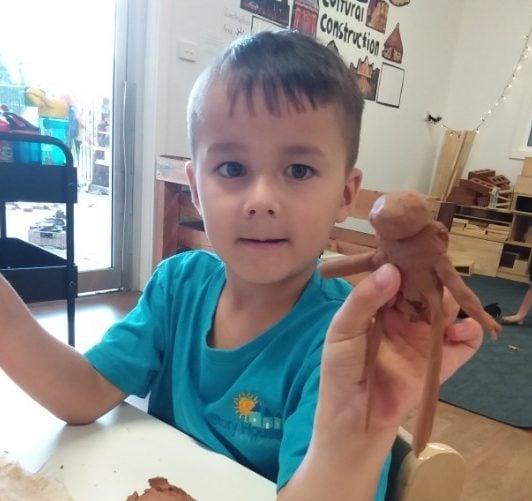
497	241
177	224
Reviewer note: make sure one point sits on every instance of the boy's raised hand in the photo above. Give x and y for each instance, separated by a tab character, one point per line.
345	458
401	360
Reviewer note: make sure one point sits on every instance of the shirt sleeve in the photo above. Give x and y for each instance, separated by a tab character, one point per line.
131	352
298	432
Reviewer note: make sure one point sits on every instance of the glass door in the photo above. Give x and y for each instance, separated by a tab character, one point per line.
64	68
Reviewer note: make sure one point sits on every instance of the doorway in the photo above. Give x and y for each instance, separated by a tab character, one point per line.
75	53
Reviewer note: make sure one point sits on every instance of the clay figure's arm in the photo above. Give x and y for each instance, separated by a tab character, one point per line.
349	265
465	297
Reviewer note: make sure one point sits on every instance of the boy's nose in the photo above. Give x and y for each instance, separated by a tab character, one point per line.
252	212
262	200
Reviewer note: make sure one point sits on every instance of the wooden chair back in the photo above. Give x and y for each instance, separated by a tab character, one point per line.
438	474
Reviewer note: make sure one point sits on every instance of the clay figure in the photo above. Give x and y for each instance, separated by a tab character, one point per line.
409	237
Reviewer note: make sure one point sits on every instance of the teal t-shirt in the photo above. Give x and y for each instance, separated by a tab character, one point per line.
254	403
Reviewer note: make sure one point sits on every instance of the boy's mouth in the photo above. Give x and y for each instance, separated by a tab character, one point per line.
263	241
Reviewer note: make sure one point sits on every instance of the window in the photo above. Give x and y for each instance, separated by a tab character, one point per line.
522	146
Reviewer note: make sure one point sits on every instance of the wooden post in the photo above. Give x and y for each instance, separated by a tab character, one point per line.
451	161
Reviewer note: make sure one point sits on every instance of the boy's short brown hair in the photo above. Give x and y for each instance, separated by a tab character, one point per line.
285	62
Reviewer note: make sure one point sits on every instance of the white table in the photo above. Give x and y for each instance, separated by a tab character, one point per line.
111	458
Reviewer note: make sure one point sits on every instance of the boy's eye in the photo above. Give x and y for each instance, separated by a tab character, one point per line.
231	169
299	171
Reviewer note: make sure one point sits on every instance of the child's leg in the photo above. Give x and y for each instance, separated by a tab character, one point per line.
523	310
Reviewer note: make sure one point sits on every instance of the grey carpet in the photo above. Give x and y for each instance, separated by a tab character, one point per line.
497	382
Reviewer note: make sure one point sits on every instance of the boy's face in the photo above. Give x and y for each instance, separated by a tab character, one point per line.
270	187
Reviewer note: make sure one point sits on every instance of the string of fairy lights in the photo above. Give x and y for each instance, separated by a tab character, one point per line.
525	54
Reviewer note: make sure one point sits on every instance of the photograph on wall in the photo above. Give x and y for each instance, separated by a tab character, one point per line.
305	16
377	16
259	24
277	11
367	78
393	46
390	85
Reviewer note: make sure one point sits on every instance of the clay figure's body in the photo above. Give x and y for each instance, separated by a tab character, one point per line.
409	238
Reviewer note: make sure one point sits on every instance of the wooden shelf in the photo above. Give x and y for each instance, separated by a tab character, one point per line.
178	226
512	276
490	253
519	243
472	235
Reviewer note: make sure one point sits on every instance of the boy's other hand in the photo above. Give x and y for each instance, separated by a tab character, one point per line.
401	361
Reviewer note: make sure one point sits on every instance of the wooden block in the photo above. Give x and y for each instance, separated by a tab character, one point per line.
499	237
473	232
479	185
499	180
459	220
463	266
461	196
498	227
523	185
480	174
483	201
486	254
498	232
520	266
527	167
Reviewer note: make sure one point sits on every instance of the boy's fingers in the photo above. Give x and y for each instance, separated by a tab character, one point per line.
355	315
467	331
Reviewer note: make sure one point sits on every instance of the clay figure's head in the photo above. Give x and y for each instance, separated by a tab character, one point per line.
400	215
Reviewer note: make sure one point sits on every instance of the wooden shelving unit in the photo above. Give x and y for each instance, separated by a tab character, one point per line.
502	245
177	224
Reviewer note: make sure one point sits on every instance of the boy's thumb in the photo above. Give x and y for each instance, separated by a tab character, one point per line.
354	317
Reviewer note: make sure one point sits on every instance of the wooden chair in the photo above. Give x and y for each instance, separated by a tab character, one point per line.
437	475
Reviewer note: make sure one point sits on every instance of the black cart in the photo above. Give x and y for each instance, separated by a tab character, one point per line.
35	273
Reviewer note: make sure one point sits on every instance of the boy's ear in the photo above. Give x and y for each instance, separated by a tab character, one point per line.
350	194
191	176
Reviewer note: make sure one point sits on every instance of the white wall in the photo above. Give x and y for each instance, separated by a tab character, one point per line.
398	147
489	44
457	58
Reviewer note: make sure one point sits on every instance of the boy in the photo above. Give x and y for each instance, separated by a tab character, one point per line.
233	347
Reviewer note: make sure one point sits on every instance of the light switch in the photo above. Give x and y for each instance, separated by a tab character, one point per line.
187	50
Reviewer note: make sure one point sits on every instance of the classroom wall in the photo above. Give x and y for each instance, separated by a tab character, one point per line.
490	40
457	58
397	146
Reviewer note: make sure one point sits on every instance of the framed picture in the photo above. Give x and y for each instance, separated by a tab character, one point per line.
390	85
259	24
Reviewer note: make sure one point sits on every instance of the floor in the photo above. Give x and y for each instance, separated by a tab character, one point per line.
498	457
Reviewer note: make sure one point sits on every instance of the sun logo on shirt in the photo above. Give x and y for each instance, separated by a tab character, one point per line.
244	404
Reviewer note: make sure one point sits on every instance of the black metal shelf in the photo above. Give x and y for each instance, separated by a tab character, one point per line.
35	273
